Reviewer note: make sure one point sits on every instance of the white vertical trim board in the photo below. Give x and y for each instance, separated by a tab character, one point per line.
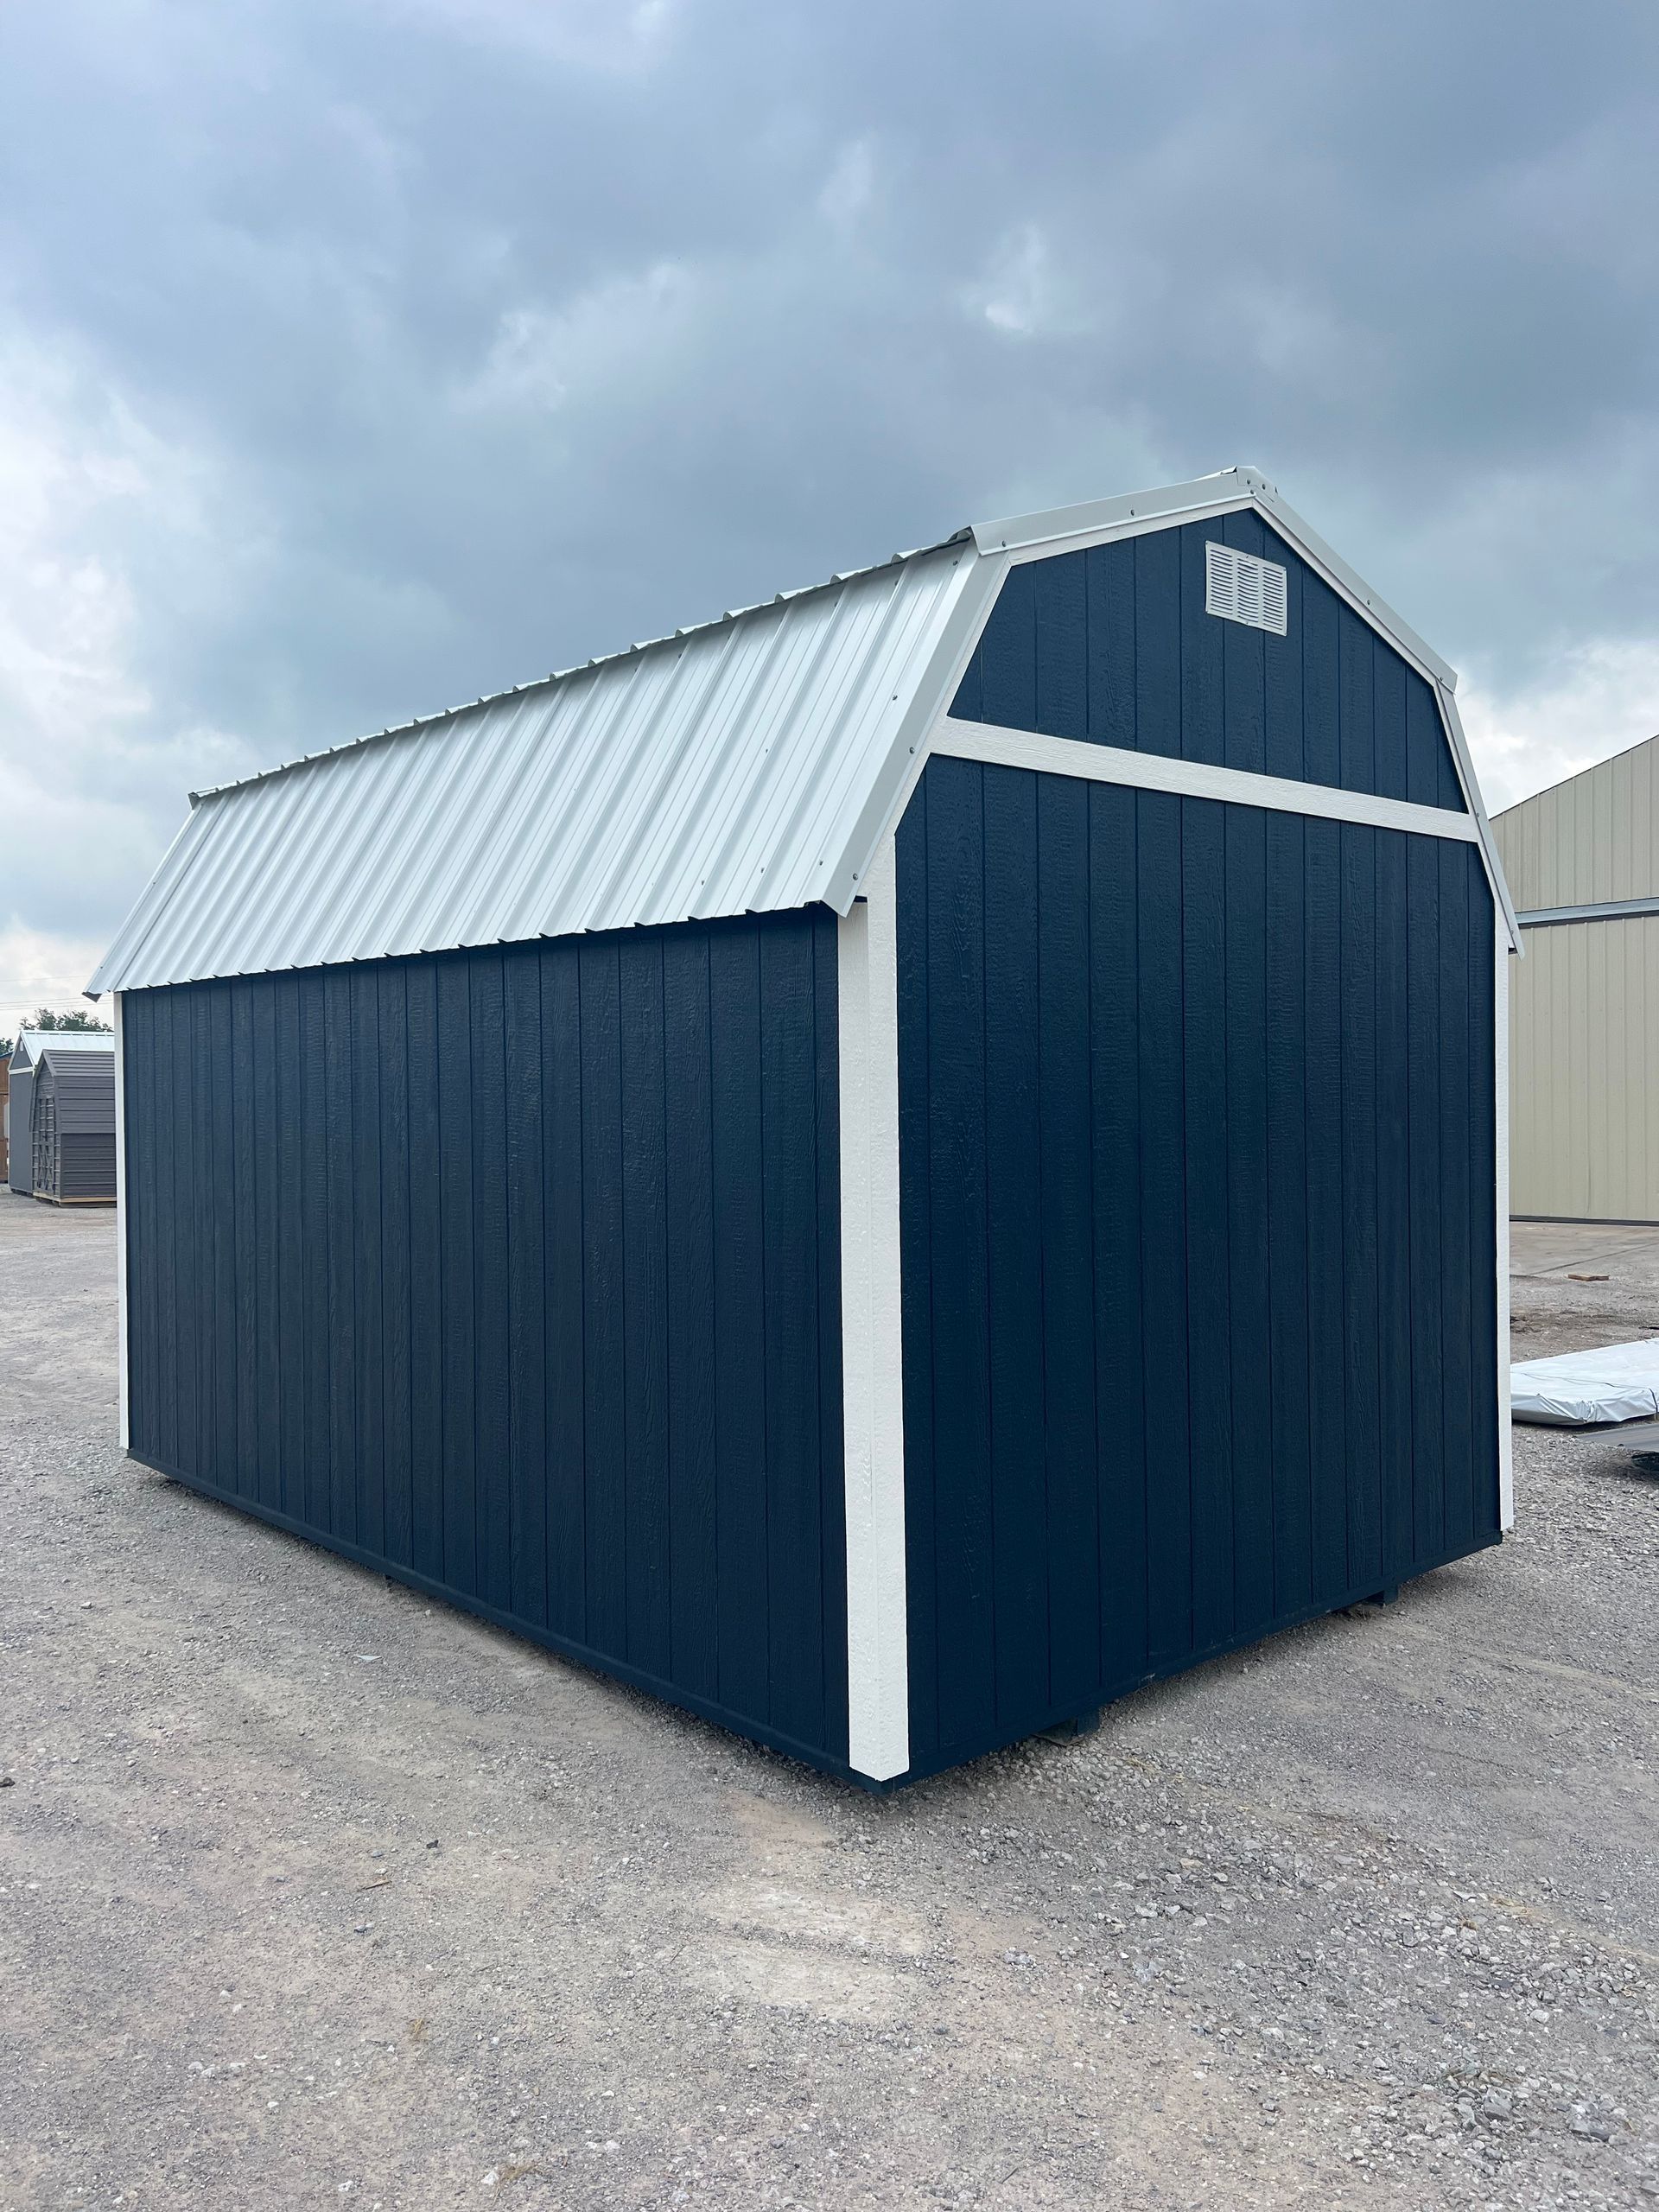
1501	1085
121	1226
877	1658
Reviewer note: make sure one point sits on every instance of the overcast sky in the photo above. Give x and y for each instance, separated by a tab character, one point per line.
361	356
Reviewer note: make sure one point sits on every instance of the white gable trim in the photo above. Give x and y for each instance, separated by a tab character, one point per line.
891	789
1099	521
1232	491
1452	722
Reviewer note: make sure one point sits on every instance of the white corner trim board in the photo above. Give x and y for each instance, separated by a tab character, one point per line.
878	1657
1155	772
121	1227
1501	1088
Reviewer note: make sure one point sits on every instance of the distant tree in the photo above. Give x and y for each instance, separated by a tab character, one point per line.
6	1044
44	1018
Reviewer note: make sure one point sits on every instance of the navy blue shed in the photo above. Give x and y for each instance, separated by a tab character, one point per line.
887	1167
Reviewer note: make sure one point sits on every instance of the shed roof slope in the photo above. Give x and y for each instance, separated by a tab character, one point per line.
722	770
748	765
31	1043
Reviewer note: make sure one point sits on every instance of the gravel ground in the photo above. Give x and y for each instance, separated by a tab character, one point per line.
313	1892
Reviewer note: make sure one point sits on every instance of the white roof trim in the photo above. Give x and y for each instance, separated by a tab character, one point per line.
745	765
1228	491
1465	767
1098	520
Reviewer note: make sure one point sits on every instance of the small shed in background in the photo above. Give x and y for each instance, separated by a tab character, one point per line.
5	1121
96	1045
886	1167
1582	860
71	1125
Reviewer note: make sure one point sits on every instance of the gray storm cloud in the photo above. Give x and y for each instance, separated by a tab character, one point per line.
358	359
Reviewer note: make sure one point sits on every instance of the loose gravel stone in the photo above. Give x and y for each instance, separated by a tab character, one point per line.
1368	1914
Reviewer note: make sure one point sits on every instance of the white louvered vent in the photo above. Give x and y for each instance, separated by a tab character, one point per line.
1241	589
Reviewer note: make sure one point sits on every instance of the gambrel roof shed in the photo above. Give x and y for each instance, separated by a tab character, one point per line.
743	765
887	1167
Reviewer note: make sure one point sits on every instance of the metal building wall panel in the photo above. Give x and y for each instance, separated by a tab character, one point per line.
1591	839
1584	1054
1583	1072
721	771
515	1272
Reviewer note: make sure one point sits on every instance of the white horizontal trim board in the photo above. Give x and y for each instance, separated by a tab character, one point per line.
1155	772
878	1648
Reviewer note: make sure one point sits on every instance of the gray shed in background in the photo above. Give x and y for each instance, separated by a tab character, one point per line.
25	1059
72	1126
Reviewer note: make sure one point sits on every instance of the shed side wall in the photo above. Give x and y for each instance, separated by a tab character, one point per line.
1197	1160
1113	645
515	1273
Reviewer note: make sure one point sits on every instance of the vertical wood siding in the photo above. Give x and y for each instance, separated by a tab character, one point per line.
1197	1170
515	1273
1113	645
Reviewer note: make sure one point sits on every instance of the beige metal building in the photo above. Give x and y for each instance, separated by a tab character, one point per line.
1582	861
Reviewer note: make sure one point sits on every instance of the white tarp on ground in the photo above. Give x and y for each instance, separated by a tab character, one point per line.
1618	1382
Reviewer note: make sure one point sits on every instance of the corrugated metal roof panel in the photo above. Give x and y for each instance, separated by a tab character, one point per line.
746	764
727	770
29	1044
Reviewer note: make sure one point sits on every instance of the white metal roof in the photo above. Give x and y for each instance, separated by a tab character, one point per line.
29	1044
745	766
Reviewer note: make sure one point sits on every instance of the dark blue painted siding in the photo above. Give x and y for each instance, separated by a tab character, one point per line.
515	1273
1113	645
1196	1172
